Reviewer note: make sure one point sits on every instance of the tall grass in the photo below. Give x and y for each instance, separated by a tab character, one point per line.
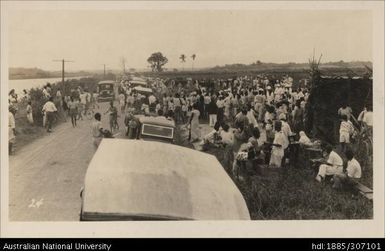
293	194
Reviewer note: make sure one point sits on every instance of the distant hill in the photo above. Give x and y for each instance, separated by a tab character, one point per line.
31	73
261	66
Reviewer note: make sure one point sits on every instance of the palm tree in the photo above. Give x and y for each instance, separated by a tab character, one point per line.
182	59
193	56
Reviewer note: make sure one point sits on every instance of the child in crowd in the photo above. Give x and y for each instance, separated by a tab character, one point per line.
346	129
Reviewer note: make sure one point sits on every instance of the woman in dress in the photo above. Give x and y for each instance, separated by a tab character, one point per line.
29	113
304	139
194	124
298	114
277	151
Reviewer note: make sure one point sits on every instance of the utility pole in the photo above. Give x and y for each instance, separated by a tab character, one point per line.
104	71
62	71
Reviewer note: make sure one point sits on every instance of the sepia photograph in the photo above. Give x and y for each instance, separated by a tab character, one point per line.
249	114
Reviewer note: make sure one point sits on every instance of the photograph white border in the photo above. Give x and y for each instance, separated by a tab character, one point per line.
272	228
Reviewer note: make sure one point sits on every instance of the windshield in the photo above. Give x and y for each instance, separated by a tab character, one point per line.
105	87
158	131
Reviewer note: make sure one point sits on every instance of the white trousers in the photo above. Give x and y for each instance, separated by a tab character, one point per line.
329	170
212	119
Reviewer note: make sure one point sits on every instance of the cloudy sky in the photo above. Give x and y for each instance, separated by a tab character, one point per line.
217	37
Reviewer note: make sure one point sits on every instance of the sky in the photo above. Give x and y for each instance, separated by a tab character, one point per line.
92	38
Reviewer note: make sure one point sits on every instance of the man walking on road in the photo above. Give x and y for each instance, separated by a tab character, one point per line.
49	108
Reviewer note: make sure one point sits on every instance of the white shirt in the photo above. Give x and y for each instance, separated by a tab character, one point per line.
250	115
334	159
83	98
346	127
45	92
300	95
220	103
354	169
49	107
151	99
121	97
268	116
286	128
207	100
96	126
227	137
177	102
368	118
286	132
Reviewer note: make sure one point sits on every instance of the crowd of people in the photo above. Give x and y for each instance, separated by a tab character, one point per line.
241	110
254	119
50	105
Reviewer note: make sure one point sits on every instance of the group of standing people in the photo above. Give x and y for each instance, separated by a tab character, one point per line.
248	106
252	105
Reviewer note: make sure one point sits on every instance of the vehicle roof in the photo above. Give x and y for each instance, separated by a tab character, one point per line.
158	120
138	82
143	89
134	177
106	82
138	79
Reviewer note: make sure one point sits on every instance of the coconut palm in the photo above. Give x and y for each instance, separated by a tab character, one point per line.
182	59
193	56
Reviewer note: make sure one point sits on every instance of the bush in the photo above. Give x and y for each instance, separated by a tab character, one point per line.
38	99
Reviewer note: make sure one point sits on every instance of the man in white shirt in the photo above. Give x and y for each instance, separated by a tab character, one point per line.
49	108
251	117
206	100
220	104
45	92
334	164
83	98
122	102
151	99
366	116
352	173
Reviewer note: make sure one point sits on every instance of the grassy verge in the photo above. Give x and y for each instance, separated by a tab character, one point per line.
292	193
25	132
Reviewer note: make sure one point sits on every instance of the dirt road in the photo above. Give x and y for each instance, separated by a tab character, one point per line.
45	177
